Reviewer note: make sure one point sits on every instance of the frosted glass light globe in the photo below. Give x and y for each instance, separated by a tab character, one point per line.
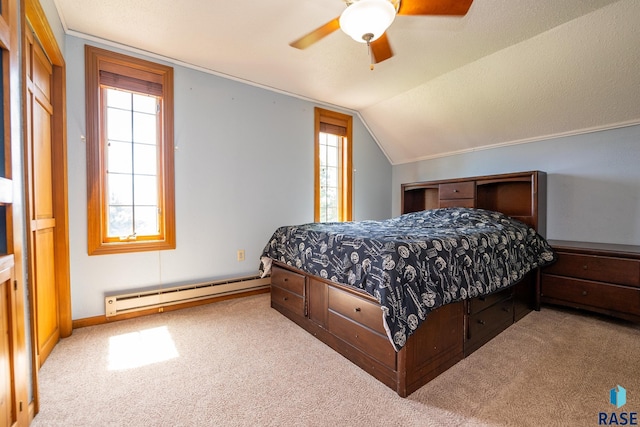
367	17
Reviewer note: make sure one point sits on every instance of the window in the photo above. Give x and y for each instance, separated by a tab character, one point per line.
333	166
130	173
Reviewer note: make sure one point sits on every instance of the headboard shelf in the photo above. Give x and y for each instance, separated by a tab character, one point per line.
521	195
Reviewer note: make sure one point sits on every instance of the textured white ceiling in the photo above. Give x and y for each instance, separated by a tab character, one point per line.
509	71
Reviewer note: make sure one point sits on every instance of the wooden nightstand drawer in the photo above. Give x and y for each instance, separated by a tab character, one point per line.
357	309
458	190
582	293
600	268
285	279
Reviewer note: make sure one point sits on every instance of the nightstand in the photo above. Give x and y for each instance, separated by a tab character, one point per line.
604	278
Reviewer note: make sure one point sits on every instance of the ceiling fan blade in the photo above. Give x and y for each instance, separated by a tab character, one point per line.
434	7
317	34
381	49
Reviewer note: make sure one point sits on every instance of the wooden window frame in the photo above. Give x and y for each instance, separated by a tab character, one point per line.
145	77
342	123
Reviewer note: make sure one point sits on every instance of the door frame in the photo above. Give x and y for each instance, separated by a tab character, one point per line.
42	31
12	263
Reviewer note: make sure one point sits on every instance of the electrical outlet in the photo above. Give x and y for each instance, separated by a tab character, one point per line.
240	254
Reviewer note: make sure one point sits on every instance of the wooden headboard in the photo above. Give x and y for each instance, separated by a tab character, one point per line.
521	195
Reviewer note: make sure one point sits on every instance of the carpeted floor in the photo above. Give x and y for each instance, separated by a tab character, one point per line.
241	363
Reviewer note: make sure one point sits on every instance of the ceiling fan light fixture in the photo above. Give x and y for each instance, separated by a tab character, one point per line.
365	18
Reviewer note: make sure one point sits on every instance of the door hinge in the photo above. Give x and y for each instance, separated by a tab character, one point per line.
15	285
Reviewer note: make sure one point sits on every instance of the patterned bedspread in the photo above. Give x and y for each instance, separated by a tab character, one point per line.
416	262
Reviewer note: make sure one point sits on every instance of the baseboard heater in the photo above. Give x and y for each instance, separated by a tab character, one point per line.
135	301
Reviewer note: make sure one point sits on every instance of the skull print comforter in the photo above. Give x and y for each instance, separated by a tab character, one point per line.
417	262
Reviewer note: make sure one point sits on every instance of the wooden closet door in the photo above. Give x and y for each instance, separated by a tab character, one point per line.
42	220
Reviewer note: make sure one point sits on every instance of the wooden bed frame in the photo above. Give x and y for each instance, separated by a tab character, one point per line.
350	321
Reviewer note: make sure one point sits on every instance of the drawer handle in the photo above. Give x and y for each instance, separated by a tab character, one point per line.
481	321
584	267
285	298
584	293
455	190
357	309
506	309
286	279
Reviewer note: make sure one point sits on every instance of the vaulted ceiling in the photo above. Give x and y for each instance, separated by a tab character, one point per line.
510	71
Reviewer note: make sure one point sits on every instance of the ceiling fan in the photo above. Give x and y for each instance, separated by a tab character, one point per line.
366	21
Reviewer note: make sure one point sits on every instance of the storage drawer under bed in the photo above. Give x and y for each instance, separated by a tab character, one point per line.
486	324
358	322
288	300
357	309
288	280
288	290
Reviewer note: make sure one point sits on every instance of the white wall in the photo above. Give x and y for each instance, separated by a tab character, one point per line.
244	166
593	181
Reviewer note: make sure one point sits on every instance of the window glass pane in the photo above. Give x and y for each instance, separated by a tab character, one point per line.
331	140
119	157
323	154
119	189
147	220
145	190
144	128
330	148
332	214
120	221
132	166
329	154
329	188
145	159
144	103
118	99
119	124
329	203
332	177
332	196
332	156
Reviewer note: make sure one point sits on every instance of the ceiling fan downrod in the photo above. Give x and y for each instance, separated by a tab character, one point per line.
367	38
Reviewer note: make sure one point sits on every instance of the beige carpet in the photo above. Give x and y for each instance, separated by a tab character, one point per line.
241	363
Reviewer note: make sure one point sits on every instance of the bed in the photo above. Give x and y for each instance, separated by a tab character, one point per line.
408	297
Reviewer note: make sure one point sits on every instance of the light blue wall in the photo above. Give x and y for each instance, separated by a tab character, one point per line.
593	181
244	166
51	12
